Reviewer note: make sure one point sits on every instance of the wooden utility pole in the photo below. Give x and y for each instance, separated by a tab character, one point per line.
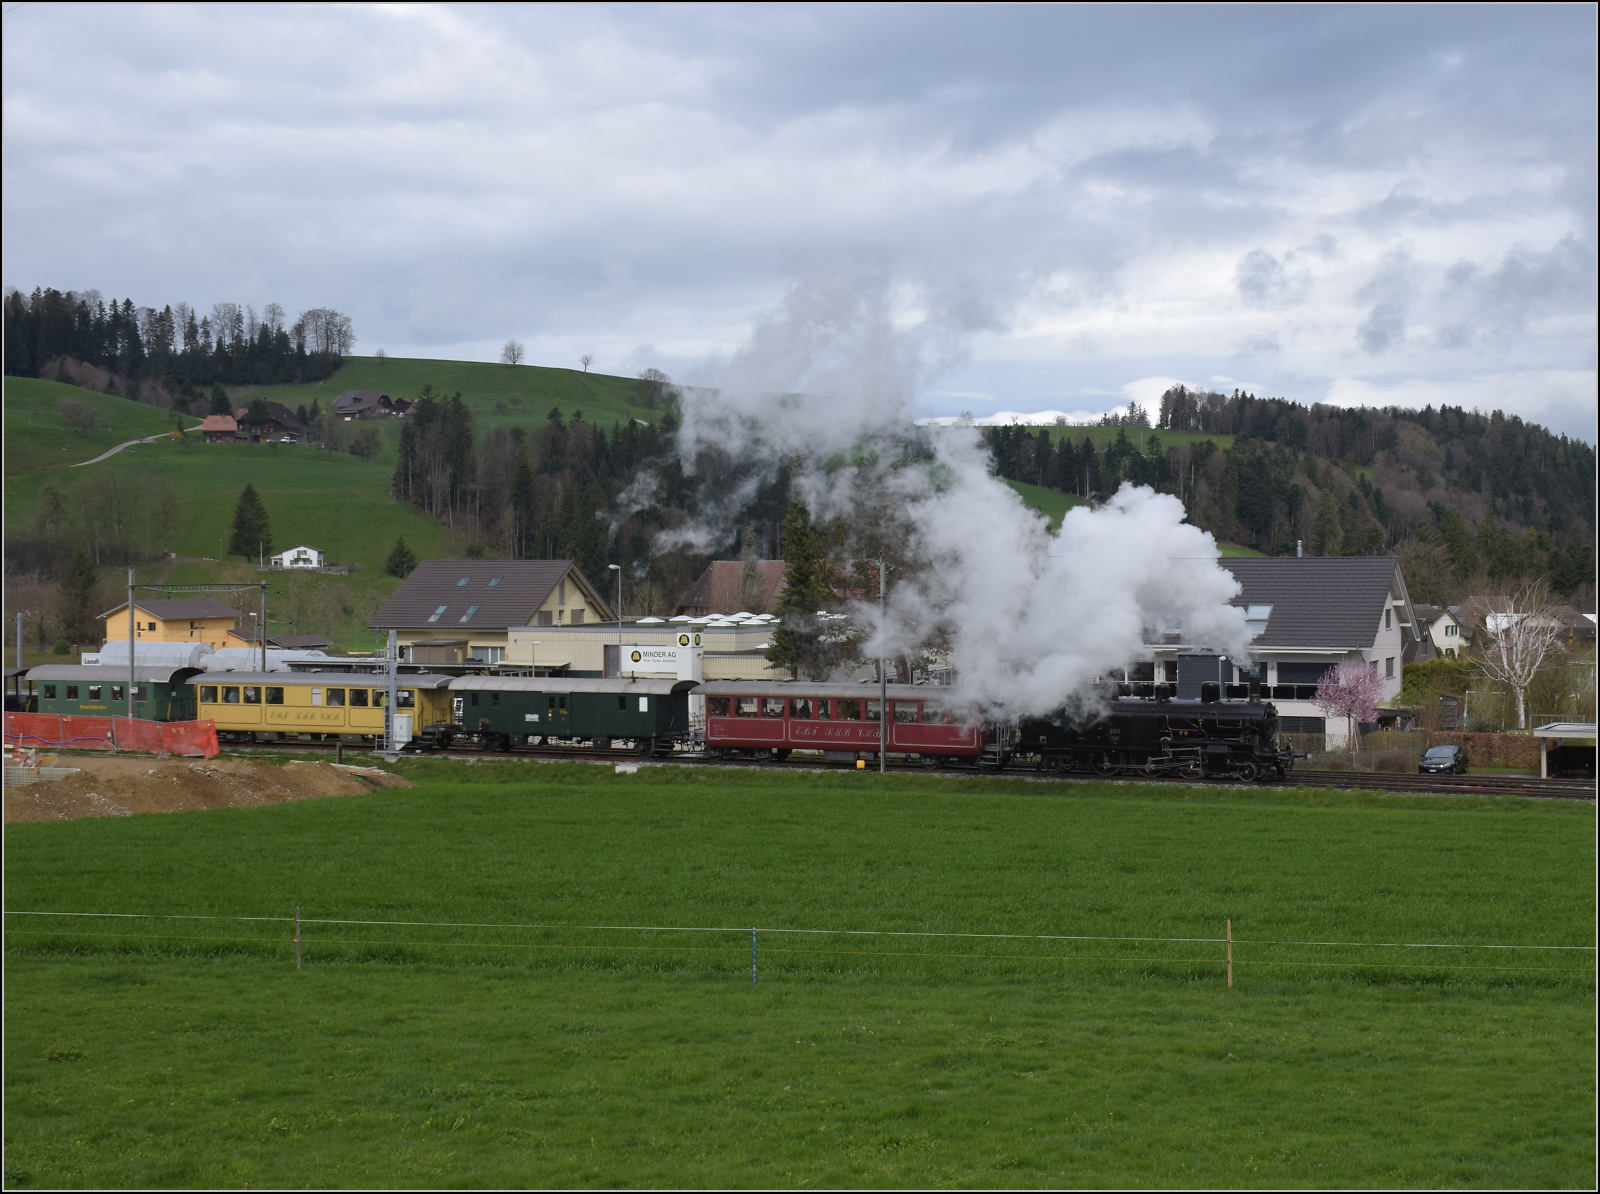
883	673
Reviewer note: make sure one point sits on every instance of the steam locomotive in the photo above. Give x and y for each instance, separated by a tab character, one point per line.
1158	736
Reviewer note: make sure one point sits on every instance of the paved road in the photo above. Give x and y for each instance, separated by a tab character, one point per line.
149	439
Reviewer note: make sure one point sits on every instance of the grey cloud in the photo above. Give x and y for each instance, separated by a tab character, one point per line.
1264	344
1383	329
645	175
1263	282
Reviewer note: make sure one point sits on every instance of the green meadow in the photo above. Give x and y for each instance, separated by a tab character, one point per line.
498	395
334	501
443	1048
38	437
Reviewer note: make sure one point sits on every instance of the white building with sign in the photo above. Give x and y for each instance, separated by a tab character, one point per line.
685	648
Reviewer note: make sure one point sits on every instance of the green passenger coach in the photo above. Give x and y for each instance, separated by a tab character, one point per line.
508	711
73	690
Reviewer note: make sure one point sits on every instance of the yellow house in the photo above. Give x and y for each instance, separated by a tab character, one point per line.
460	610
174	620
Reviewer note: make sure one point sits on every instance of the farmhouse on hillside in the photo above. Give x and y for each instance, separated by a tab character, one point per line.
299	557
283	423
1309	615
219	429
367	404
174	620
453	611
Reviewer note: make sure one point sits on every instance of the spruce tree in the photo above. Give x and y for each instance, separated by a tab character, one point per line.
219	401
252	534
77	587
402	560
797	643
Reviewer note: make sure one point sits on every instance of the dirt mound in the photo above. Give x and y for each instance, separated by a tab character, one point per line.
125	784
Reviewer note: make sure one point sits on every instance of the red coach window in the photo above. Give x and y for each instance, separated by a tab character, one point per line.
771	706
874	711
822	710
716	706
746	707
934	714
848	710
905	711
800	707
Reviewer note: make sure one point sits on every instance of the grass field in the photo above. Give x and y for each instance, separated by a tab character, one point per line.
337	502
602	398
37	437
1049	502
433	1055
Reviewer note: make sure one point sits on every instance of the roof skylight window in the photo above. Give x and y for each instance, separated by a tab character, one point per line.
434	617
471	609
494	580
462	583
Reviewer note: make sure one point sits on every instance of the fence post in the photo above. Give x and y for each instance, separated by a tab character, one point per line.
752	957
297	936
1230	952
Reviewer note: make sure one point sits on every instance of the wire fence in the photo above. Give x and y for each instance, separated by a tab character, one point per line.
777	949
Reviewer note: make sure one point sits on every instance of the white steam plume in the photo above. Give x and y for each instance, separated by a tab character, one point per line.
1032	618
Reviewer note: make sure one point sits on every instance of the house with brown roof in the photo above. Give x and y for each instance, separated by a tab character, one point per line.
468	607
725	587
174	620
362	404
281	423
220	429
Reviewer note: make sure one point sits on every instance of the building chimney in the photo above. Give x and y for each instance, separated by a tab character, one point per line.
1299	548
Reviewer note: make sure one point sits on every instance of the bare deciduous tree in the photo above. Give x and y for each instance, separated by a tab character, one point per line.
587	359
325	330
511	354
1517	637
83	415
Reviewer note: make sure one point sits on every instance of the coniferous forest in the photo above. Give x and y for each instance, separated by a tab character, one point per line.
1462	497
166	356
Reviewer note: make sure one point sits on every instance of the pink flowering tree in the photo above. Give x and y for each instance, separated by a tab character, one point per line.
1350	691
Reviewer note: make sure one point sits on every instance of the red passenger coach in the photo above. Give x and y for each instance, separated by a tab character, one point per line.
768	719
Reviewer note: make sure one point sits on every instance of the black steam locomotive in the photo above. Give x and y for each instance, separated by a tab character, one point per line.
1156	736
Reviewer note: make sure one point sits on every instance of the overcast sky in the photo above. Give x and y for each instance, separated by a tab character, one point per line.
1362	204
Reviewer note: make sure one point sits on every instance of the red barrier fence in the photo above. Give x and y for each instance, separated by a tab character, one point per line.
113	733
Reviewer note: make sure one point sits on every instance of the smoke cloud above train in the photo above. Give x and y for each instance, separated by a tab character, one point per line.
826	387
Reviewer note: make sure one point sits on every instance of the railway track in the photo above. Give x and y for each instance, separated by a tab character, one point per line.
1433	785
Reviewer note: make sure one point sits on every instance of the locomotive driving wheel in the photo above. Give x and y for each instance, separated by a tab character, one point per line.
1248	771
1103	764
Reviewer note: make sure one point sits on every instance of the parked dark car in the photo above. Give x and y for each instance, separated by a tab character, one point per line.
1439	759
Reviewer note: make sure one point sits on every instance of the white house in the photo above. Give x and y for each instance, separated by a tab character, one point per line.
1441	634
298	557
1311	614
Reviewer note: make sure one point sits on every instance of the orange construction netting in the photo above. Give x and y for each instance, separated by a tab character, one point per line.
113	733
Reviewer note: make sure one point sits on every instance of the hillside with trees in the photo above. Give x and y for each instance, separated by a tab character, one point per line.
166	357
1470	502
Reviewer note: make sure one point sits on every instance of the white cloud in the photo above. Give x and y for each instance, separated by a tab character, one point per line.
595	179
